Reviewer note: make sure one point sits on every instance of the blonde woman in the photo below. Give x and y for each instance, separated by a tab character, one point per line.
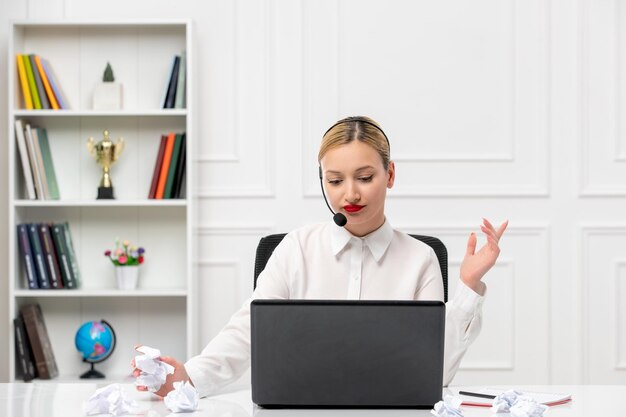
364	259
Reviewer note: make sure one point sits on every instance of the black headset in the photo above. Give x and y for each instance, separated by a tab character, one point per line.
339	219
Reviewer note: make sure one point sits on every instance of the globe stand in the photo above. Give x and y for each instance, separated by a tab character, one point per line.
92	373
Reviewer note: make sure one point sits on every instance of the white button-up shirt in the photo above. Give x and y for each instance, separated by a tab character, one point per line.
323	261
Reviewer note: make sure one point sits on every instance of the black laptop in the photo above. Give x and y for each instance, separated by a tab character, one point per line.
347	354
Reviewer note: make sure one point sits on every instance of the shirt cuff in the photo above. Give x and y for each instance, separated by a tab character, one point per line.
467	299
198	378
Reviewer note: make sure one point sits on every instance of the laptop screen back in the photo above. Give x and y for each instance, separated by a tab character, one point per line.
323	353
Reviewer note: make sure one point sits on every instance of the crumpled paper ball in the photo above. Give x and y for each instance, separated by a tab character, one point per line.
153	371
110	400
183	399
449	407
527	407
503	402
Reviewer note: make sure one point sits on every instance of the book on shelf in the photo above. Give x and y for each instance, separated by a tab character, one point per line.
170	96
28	262
40	88
37	163
39	160
63	256
48	165
165	166
169	183
43	279
39	341
180	100
45	103
25	160
180	168
71	253
31	82
48	256
23	352
54	85
52	263
157	167
46	84
21	72
37	179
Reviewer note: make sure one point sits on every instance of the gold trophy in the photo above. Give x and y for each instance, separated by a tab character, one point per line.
106	153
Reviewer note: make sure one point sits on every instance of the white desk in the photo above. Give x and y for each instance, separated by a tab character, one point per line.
51	399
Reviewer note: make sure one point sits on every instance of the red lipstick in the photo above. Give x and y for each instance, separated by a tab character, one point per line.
352	208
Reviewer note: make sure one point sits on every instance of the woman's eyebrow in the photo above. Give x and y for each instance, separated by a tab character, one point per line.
357	170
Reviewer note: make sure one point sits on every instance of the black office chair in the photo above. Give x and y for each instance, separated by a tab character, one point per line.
268	243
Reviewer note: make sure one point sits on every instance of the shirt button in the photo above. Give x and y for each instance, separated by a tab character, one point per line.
356	277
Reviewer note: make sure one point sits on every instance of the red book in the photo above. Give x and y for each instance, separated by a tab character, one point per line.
165	167
157	167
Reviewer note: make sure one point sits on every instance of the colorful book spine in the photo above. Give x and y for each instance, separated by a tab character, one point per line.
24	158
157	167
28	262
169	183
46	84
58	236
54	84
52	262
167	159
46	155
21	71
31	82
45	104
38	255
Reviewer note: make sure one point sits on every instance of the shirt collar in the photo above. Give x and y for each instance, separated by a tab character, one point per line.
378	241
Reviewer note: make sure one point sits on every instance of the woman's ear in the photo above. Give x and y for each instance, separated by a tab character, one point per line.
391	174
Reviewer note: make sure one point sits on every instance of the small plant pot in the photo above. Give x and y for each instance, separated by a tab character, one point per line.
127	277
107	96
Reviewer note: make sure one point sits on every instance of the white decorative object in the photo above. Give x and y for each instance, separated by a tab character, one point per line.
107	96
127	277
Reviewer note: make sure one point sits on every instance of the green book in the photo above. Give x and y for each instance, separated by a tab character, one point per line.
70	252
169	184
46	155
31	82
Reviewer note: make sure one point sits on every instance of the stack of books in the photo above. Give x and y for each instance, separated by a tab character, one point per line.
174	97
169	169
34	355
36	161
40	88
48	256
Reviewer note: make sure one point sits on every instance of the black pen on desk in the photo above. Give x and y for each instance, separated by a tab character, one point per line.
477	394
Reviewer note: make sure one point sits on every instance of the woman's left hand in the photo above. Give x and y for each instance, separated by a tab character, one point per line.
476	264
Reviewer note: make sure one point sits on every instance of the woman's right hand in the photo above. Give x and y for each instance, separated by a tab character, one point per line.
180	374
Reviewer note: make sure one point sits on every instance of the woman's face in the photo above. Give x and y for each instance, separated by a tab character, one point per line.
356	184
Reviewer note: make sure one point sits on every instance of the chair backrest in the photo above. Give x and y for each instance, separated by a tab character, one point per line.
268	243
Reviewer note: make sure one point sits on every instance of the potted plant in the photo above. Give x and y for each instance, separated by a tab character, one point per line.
126	259
108	94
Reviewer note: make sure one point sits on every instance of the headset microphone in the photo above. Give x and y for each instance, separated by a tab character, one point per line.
339	219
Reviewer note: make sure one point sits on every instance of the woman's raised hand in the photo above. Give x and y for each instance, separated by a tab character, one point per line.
476	264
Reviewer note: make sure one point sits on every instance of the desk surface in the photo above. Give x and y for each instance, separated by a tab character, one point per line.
51	399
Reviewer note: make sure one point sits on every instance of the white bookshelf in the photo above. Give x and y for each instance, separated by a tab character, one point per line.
159	312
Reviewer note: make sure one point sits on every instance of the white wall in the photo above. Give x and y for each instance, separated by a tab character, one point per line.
503	109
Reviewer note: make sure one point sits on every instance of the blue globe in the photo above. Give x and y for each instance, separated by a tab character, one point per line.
95	340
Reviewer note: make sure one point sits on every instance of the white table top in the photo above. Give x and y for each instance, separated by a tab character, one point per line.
50	399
